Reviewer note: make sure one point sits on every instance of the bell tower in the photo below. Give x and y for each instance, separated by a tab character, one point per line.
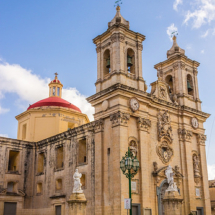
119	55
180	73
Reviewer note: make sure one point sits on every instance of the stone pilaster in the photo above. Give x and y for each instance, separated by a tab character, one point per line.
99	128
144	126
201	141
185	137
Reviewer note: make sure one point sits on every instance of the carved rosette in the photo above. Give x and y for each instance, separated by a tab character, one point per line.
117	37
201	139
143	124
119	118
164	126
165	152
185	135
196	168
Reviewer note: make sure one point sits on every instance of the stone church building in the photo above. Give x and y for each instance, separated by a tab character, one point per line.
163	127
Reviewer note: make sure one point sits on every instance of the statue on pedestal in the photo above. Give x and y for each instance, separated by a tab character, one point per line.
77	182
172	185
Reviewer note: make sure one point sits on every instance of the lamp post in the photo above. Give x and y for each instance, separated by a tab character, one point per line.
129	166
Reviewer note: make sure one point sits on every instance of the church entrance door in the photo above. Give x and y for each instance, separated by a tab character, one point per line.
160	193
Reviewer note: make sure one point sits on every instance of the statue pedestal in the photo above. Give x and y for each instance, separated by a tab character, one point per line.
172	202
77	204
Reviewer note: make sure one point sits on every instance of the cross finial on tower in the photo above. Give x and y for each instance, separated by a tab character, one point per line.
56	74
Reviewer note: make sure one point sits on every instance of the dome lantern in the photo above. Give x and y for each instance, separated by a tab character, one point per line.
55	87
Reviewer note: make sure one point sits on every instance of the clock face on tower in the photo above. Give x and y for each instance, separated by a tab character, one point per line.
134	104
194	122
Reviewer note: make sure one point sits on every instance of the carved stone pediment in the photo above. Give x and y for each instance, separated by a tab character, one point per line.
165	152
164	126
160	89
119	118
159	175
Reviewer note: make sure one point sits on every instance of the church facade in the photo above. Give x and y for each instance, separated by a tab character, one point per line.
163	128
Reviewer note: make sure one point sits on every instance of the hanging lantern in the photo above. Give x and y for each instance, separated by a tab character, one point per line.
136	164
129	61
189	87
128	163
108	63
122	165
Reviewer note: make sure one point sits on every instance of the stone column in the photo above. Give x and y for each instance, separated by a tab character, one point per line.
77	204
144	126
172	203
205	185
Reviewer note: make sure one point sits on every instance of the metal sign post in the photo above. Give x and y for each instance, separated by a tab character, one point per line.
127	204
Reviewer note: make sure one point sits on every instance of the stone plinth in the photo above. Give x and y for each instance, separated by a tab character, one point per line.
77	204
172	202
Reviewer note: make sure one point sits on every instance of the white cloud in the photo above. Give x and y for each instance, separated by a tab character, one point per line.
203	12
176	3
4	110
3	135
170	29
205	34
31	88
211	172
202	51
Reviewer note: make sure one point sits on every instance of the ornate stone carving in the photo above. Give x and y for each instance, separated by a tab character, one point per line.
117	37
162	92
155	164
182	65
139	46
99	125
175	66
160	74
164	126
172	185
119	118
98	48
165	152
77	182
185	135
133	147
143	124
196	168
201	139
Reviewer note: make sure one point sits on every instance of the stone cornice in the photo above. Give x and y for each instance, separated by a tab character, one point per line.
15	142
175	58
151	98
117	26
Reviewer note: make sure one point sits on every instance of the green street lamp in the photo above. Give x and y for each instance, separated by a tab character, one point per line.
129	166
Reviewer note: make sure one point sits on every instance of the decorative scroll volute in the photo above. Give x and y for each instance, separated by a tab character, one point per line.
201	139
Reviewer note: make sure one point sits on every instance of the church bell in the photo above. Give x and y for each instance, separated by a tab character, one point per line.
108	63
189	87
129	61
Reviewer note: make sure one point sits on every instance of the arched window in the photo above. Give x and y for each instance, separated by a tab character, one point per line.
106	62
169	81
189	85
130	61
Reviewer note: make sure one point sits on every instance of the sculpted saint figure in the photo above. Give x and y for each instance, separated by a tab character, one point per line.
196	163
77	182
169	174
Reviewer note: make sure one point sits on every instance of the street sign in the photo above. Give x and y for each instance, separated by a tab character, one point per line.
127	203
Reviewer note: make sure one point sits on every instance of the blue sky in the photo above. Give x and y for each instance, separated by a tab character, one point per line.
39	38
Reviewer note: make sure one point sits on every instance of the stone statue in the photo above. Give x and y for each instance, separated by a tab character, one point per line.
196	163
77	182
172	185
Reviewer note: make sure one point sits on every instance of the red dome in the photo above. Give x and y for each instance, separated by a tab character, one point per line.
54	101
